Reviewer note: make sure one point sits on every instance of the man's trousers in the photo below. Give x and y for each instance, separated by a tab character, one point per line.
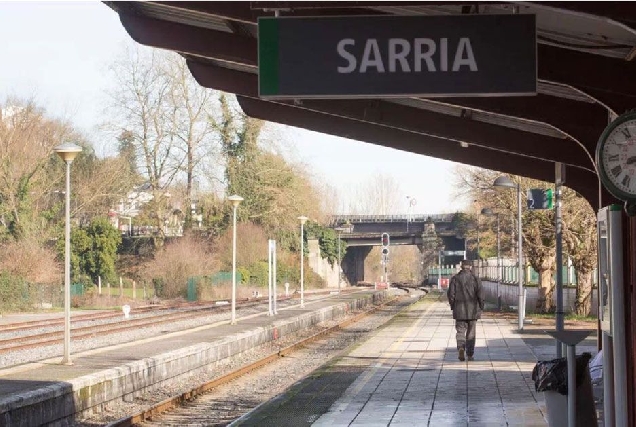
466	331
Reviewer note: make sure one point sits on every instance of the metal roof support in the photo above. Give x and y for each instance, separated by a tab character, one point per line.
582	181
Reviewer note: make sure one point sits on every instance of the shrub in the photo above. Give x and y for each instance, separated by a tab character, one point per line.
30	261
14	293
177	261
251	246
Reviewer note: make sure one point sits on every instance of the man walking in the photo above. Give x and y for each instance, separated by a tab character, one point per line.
466	299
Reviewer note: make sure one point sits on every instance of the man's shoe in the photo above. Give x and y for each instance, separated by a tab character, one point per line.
461	354
470	357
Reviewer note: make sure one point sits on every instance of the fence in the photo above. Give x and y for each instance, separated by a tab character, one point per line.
509	272
509	294
194	283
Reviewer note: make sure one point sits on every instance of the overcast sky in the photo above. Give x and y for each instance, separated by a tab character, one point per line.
58	53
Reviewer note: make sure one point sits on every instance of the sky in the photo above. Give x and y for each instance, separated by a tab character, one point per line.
58	53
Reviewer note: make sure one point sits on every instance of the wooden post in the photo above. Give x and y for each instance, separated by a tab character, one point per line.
121	288
134	290
99	284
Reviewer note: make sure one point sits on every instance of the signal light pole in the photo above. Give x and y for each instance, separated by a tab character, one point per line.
385	255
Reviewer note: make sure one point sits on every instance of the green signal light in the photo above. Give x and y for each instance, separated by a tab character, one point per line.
548	199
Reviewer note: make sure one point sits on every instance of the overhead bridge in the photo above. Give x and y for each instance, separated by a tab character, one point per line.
428	232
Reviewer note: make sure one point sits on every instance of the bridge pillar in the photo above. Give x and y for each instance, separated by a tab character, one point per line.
353	263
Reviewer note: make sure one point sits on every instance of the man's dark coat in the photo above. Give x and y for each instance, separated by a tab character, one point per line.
466	296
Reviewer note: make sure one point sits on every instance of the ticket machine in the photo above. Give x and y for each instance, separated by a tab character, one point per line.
611	312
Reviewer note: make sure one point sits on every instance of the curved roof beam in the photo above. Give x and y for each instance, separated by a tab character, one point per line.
385	113
241	50
584	182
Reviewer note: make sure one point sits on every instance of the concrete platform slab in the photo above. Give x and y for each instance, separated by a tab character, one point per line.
408	374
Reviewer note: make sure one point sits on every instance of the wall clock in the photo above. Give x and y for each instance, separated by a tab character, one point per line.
616	159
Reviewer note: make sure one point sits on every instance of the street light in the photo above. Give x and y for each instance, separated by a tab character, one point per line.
303	220
489	212
67	152
505	182
236	201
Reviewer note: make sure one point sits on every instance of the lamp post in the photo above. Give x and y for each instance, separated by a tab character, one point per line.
489	212
478	225
409	211
236	201
67	152
505	182
303	220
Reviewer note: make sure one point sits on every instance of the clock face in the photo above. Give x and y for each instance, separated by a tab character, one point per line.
617	159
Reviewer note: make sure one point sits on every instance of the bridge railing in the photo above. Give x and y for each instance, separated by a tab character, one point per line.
444	217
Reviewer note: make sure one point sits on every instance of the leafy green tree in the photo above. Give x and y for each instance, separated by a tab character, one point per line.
275	191
28	168
93	249
327	240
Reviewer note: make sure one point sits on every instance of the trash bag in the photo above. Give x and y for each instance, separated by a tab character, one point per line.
596	368
552	375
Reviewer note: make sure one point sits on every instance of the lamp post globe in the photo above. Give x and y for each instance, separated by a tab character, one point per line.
235	200
303	220
503	182
67	152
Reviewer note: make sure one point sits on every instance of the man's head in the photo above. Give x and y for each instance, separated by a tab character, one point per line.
467	264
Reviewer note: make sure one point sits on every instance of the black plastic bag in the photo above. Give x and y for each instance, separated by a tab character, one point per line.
552	375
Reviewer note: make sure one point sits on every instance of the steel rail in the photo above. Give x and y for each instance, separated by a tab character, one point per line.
172	402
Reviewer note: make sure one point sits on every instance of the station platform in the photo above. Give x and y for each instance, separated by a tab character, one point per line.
48	392
408	374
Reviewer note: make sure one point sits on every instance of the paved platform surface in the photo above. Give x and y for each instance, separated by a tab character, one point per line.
408	374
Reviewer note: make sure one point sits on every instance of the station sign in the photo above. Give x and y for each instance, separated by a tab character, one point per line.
454	253
388	55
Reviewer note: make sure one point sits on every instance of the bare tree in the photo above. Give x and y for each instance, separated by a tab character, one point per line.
580	238
141	102
193	123
538	226
379	196
166	118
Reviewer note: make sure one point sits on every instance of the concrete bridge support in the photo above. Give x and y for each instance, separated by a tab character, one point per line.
353	263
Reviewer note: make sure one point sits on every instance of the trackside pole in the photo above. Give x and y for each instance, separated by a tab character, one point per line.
274	278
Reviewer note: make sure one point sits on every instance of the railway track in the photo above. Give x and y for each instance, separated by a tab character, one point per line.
20	336
208	403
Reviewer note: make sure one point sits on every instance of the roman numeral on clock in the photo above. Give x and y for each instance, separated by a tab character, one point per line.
617	170
625	131
613	158
626	180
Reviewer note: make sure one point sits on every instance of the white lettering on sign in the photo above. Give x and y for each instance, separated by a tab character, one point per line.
404	56
398	51
371	48
347	56
425	55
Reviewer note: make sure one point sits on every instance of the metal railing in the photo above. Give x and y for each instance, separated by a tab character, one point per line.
509	274
444	217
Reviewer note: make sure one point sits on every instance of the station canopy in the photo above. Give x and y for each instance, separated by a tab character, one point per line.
585	70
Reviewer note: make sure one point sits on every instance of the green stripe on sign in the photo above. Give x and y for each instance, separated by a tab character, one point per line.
268	56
